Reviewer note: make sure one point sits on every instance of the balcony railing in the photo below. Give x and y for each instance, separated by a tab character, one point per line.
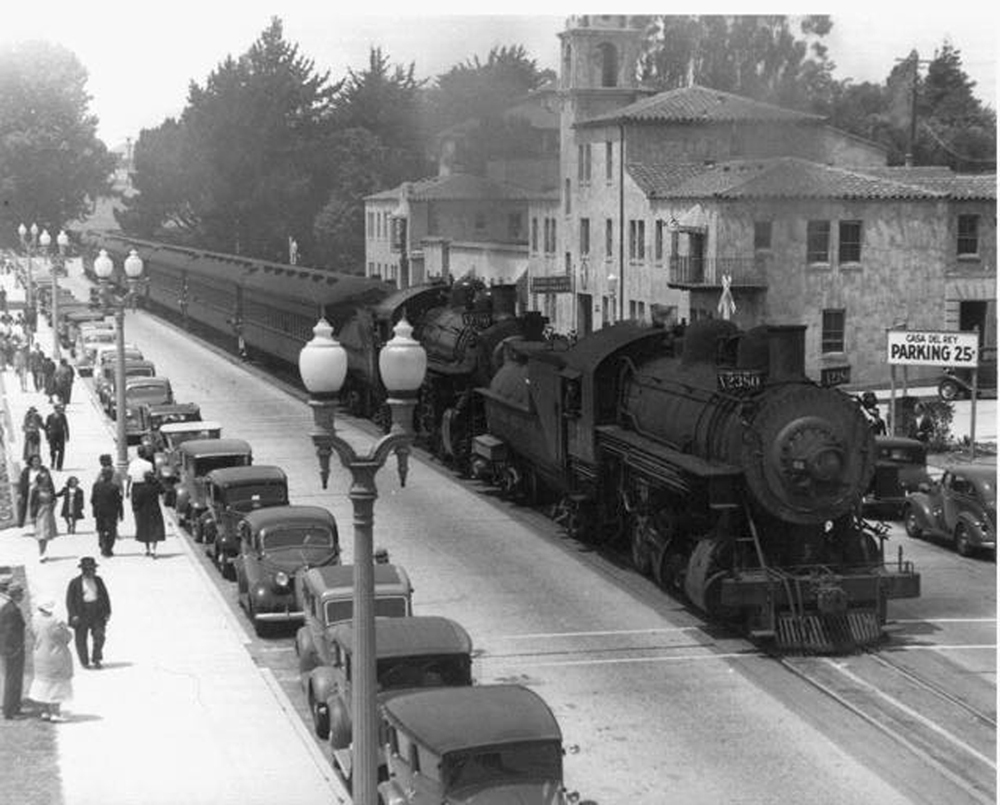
706	272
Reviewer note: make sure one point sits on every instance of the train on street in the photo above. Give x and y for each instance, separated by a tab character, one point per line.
706	455
730	476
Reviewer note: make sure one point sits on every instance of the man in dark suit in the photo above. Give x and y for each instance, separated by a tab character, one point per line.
88	608
57	434
12	650
106	503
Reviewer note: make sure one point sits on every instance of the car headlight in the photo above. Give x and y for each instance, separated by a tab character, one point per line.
281	580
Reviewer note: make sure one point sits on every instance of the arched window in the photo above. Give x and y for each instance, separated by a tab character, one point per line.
609	65
567	67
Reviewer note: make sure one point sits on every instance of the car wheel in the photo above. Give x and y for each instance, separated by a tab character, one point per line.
948	390
911	523
320	716
962	543
228	570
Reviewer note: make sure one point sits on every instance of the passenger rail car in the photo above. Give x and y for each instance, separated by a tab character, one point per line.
731	477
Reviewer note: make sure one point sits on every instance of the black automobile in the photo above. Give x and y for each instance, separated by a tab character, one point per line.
900	468
960	509
955	383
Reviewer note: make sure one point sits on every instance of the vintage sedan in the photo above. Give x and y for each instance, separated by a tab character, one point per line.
490	743
164	444
960	508
232	493
900	468
275	543
197	458
955	383
418	652
105	382
140	391
87	345
326	598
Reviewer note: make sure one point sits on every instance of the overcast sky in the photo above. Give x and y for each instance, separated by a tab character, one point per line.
141	57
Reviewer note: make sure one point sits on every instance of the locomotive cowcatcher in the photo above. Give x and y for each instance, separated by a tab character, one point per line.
732	478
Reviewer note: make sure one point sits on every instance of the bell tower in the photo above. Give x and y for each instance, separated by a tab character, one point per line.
599	63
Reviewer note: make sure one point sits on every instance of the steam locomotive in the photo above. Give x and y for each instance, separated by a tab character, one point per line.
732	478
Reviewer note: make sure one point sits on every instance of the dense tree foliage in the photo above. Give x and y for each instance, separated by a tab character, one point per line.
52	165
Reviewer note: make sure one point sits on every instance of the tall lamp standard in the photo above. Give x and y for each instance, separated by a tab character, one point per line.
323	367
62	241
103	268
29	300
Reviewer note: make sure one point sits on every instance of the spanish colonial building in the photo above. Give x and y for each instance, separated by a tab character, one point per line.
664	200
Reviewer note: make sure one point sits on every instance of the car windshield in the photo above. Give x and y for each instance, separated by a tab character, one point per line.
508	764
138	371
248	498
385	607
179	437
141	394
304	537
203	466
158	420
397	673
903	455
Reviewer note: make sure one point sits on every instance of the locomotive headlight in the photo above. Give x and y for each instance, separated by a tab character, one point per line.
281	580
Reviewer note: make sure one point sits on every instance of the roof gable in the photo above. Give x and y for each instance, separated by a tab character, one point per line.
698	104
456	187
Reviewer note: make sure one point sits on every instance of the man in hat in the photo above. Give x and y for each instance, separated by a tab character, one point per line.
57	434
12	650
89	608
107	508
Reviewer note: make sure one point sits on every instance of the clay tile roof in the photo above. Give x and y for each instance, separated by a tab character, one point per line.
699	105
457	187
791	177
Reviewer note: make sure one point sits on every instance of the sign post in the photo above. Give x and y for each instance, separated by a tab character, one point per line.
959	350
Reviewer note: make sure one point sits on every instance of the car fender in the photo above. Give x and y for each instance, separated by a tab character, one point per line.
921	506
305	648
391	794
977	534
323	683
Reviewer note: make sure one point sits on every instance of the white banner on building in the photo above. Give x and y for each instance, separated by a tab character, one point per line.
925	348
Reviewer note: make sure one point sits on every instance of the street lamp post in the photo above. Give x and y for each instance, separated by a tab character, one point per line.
62	241
323	366
30	316
103	268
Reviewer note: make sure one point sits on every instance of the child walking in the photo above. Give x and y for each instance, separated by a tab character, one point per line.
72	508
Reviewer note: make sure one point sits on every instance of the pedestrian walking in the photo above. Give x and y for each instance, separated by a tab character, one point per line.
106	507
32	428
12	650
72	507
21	366
106	461
36	363
88	607
52	662
148	516
57	434
3	300
49	378
42	504
137	468
65	375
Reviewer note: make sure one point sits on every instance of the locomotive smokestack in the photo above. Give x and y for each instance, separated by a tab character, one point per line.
504	301
786	352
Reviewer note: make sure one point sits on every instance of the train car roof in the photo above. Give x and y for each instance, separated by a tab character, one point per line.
312	285
438	291
589	352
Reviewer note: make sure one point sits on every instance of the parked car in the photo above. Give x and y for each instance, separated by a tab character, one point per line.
489	743
900	468
108	353
166	455
417	652
326	598
232	493
960	508
140	391
105	382
955	383
274	544
197	458
154	417
86	348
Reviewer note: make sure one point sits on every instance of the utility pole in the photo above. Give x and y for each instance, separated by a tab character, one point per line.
914	57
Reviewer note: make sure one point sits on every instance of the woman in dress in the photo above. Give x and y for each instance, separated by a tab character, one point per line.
53	663
146	508
42	505
72	507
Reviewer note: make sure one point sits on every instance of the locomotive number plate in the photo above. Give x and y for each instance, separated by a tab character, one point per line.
480	319
740	379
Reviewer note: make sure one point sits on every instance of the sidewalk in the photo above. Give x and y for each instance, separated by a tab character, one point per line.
179	713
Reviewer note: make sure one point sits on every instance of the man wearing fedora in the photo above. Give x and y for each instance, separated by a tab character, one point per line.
12	650
89	608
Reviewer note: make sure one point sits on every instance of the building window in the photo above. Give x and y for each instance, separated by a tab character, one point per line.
480	221
534	234
605	312
583	163
609	238
833	330
818	242
849	245
609	161
642	311
550	235
762	234
968	235
584	236
371	269
637	240
514	226
658	243
569	263
569	204
609	64
371	225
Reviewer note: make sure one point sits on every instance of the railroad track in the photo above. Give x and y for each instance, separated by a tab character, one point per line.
940	727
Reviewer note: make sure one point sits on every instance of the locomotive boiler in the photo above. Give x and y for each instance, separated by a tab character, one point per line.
731	477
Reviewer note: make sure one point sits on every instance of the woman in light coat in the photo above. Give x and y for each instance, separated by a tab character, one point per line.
42	505
53	662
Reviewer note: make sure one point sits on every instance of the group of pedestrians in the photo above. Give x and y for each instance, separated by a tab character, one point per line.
88	608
